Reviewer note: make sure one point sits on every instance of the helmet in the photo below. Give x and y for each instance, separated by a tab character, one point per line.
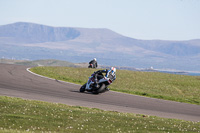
95	59
113	69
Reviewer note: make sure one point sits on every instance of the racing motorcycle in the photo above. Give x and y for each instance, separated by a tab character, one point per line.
90	66
102	86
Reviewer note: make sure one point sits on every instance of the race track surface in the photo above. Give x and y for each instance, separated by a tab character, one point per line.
16	81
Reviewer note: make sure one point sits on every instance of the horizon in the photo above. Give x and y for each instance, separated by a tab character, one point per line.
163	70
171	20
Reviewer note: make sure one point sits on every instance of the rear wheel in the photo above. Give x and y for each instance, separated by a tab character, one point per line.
100	90
82	89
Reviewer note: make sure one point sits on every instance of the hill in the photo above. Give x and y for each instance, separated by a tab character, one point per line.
34	41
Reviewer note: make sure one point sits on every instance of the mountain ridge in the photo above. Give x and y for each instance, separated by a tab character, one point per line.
82	44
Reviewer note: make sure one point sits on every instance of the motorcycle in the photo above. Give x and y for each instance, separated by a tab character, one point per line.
90	66
102	86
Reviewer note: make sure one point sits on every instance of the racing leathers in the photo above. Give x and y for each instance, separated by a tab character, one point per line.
94	63
109	74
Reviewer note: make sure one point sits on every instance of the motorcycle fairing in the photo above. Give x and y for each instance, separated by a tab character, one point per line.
89	83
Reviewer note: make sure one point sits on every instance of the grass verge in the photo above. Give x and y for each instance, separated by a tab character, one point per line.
18	115
181	88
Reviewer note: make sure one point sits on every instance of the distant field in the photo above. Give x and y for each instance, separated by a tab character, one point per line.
173	87
47	62
18	115
10	61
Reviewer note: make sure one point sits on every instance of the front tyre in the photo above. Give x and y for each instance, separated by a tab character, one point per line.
82	89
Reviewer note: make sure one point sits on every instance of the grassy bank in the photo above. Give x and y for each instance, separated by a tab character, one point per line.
18	115
180	88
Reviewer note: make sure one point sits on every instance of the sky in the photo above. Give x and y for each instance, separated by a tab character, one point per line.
139	19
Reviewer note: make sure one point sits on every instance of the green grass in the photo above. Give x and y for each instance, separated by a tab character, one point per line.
18	115
181	88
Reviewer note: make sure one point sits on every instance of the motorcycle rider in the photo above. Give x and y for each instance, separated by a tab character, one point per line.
111	73
94	63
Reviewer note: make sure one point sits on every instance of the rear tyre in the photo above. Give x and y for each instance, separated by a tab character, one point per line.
82	89
100	90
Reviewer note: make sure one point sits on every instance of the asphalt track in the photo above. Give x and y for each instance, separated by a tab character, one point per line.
16	81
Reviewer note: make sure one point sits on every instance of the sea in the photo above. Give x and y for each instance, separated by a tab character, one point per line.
182	73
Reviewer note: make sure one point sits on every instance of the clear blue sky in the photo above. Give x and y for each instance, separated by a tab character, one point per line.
140	19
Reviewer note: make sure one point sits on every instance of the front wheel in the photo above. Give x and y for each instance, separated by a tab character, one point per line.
82	89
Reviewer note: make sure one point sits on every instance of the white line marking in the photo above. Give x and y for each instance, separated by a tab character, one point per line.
50	78
73	83
110	90
79	85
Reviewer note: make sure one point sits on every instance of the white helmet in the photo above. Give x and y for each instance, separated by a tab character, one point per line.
95	59
113	69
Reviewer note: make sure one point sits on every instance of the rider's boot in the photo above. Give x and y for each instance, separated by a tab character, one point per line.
107	89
